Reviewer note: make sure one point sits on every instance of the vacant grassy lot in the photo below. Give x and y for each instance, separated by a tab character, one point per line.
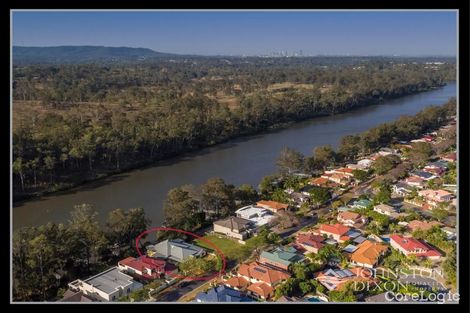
231	249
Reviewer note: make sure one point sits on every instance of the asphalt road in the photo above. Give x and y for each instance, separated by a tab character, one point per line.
173	293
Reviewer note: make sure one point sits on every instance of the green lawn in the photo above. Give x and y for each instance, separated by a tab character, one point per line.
231	249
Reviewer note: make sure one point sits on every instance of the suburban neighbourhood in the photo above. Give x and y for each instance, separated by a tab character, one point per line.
376	220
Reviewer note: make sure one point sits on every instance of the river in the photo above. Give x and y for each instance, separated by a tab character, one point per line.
243	160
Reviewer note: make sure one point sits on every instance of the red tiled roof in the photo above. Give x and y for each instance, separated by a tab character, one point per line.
143	263
347	215
311	240
337	229
410	244
274	205
416	224
237	282
262	273
261	289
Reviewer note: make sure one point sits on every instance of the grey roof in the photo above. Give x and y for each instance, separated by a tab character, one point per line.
350	248
234	222
403	185
423	174
176	249
353	233
359	239
110	280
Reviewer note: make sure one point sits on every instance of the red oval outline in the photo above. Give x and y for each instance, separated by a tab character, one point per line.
155	229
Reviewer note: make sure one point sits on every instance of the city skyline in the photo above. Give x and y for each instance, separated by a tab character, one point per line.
246	33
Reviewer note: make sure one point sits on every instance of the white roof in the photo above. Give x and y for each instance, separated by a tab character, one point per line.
259	216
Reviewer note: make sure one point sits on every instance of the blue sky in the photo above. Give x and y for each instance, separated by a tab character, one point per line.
249	33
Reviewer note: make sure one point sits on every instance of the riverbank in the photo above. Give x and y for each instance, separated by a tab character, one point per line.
243	160
82	180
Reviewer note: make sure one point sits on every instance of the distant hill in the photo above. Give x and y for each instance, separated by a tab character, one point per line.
83	54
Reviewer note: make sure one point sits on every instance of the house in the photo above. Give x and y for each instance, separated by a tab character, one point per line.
344	170
75	296
437	172
334	279
298	198
339	178
415	181
428	138
259	216
234	227
310	242
237	282
435	168
361	204
365	163
221	294
176	249
424	175
256	272
387	151
450	232
385	209
323	182
261	290
280	257
434	197
143	266
401	188
109	285
272	206
421	225
368	253
335	231
351	219
450	157
410	245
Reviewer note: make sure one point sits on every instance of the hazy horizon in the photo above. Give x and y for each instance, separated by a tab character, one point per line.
249	33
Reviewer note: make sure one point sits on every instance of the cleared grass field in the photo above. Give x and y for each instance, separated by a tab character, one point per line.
231	249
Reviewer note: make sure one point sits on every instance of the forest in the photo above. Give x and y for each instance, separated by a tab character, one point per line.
78	122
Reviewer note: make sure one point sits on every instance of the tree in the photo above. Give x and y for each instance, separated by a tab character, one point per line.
268	184
383	196
450	268
346	294
287	219
349	147
290	161
288	288
382	165
181	211
305	287
420	153
279	195
88	239
319	195
324	155
439	214
217	198
18	169
49	164
246	194
301	271
360	175
124	227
